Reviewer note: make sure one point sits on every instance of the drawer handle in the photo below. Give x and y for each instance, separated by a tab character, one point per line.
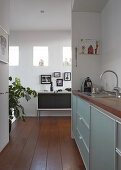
119	153
84	122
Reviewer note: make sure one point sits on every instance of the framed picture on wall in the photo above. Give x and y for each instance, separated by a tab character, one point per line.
3	46
59	82
45	79
57	74
67	76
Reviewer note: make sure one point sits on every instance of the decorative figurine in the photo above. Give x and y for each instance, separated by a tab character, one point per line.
83	49
41	62
90	50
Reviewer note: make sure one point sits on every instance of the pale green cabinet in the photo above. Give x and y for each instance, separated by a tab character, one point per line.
74	108
83	124
83	109
102	141
95	134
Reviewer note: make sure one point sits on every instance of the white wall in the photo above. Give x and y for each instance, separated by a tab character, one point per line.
4	126
85	25
29	74
111	41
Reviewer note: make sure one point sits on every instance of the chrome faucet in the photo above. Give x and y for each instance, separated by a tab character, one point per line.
115	88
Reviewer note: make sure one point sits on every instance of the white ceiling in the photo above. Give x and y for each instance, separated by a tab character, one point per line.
89	5
26	15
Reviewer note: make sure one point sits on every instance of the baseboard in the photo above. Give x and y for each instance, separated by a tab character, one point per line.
51	113
3	143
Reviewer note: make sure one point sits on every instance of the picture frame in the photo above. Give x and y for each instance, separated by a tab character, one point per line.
59	82
45	79
4	46
67	76
89	47
57	74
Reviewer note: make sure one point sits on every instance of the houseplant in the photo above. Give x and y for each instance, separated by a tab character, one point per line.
16	92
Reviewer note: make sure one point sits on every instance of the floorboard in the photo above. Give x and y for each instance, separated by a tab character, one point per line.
41	144
69	152
54	161
12	151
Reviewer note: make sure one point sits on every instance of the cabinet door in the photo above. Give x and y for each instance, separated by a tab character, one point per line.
102	152
83	150
46	101
74	115
83	124
83	109
62	100
83	130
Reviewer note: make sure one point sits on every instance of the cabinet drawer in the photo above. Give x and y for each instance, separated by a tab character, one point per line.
83	109
83	130
83	150
119	136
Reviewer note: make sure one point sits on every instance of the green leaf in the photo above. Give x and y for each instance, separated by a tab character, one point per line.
16	92
16	113
10	78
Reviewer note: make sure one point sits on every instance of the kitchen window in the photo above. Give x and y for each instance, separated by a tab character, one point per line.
67	56
40	56
13	55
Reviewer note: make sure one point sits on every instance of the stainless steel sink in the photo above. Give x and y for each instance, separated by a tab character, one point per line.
103	94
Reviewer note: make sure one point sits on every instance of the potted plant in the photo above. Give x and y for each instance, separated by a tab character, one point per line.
16	92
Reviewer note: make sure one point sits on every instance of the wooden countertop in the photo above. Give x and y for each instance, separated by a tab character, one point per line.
112	105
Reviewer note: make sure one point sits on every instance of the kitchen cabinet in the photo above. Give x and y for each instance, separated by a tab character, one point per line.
74	115
102	141
83	149
82	127
97	135
54	100
83	109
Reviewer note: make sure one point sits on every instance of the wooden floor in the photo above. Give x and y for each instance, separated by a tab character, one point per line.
43	144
